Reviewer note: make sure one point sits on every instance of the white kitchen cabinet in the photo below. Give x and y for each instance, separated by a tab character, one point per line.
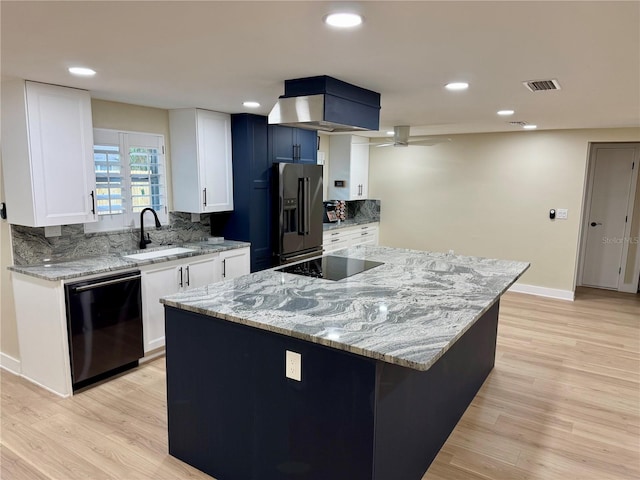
234	263
162	279
334	240
159	280
201	160
337	239
348	167
47	154
365	235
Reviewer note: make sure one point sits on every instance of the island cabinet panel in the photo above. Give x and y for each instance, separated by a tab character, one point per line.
416	411
233	414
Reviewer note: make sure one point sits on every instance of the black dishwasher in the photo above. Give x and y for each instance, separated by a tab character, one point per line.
104	322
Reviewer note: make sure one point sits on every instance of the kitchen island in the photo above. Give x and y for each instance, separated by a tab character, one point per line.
390	358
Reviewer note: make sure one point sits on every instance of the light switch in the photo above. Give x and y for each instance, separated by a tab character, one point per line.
562	214
293	365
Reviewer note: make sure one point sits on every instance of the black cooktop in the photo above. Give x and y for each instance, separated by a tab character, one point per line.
330	267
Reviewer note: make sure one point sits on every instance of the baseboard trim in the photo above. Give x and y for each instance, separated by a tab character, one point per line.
10	364
543	291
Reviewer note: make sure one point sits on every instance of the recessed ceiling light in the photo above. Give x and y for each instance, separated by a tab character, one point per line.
251	104
530	127
505	112
343	20
457	86
82	71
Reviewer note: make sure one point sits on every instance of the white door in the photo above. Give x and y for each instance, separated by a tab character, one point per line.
61	149
612	169
235	263
214	146
198	273
359	170
156	283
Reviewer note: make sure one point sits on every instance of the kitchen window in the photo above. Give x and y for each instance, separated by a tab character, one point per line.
130	176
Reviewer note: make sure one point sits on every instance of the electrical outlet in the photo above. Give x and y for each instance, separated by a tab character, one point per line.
293	365
562	213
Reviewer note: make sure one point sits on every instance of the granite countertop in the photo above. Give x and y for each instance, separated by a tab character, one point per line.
91	265
345	224
408	311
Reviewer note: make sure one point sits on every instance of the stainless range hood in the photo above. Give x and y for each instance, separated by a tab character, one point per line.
326	104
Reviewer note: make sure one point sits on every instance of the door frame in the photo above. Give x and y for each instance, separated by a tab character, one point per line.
586	210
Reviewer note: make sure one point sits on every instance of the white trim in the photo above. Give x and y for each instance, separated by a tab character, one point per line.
152	355
48	389
10	364
543	291
629	234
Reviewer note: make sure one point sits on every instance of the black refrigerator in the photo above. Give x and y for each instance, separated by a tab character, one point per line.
298	211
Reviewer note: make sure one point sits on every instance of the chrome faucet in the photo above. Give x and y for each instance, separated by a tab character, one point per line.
145	241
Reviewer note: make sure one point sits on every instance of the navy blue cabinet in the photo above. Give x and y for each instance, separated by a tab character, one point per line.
251	219
256	145
295	145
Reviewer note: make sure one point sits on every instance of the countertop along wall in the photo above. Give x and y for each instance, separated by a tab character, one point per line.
489	195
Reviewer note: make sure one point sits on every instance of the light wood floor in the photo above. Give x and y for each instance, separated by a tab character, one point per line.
562	403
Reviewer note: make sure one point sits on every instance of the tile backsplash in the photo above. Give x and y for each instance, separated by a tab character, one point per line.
363	210
31	246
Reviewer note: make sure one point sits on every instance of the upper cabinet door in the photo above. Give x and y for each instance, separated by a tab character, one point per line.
47	154
348	167
282	144
201	167
214	151
292	145
307	141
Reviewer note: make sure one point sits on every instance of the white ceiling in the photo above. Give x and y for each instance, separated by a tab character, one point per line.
215	55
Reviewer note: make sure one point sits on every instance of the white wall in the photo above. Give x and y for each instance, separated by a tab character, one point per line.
489	195
9	350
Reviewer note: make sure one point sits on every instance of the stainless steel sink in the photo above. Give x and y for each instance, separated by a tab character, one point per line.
167	252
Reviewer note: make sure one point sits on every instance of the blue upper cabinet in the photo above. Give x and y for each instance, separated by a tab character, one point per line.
293	145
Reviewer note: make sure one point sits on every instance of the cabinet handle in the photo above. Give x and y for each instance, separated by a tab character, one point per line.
364	228
187	269
336	233
224	267
93	203
181	283
335	240
204	195
364	233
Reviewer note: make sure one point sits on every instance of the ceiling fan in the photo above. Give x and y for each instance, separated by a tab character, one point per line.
401	139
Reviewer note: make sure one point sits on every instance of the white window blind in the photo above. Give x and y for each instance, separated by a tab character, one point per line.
130	176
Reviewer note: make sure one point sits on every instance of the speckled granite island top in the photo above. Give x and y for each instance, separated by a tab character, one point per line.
408	311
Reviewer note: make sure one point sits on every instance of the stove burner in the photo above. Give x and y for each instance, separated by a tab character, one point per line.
330	267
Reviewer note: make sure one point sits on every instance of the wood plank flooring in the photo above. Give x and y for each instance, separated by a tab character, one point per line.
563	402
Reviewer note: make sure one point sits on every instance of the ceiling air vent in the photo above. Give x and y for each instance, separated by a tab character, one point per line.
517	124
542	85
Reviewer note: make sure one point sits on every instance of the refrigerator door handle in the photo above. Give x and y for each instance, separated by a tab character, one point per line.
307	204
301	207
